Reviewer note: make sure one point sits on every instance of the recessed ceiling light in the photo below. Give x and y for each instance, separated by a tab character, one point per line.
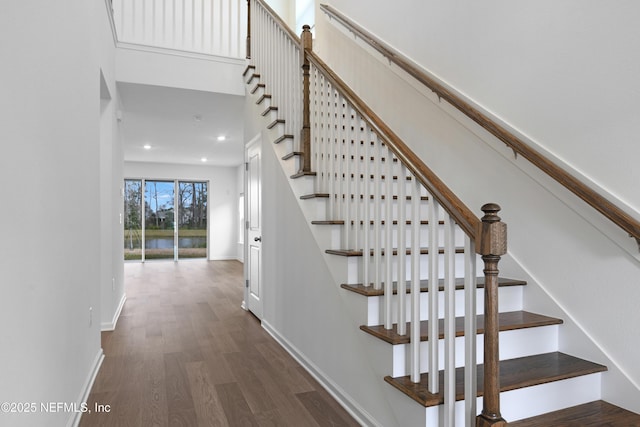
147	146
222	138
204	159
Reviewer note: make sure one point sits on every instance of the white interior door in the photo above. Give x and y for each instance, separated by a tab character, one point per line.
254	228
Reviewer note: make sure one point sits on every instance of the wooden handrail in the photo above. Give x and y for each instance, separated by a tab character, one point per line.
583	191
283	25
463	216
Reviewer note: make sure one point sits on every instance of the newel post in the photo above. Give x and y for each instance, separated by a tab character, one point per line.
491	244
248	29
307	45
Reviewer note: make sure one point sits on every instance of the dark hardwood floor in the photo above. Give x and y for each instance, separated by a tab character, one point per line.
185	354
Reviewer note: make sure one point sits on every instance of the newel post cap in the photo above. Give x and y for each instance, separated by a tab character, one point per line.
491	234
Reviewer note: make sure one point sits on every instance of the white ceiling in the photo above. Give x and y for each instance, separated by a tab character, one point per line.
182	126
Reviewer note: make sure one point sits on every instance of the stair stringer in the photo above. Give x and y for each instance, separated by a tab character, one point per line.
352	381
617	386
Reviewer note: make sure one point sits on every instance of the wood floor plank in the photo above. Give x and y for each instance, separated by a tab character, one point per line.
185	354
154	408
177	387
252	389
235	406
293	411
323	412
208	408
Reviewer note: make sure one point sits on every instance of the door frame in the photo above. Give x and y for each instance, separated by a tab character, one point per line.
256	140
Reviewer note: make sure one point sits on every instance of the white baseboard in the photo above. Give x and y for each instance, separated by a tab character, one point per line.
74	420
224	258
344	399
111	326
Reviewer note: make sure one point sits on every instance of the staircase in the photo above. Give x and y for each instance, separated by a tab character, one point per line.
371	213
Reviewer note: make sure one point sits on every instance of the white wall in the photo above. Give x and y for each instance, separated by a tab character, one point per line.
50	173
111	164
286	9
578	264
562	73
223	199
180	70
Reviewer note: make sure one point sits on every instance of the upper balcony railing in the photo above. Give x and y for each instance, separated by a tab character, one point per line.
210	27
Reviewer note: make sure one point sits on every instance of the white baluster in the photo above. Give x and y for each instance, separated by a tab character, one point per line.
388	236
449	321
331	136
377	213
415	280
433	295
366	205
402	249
470	331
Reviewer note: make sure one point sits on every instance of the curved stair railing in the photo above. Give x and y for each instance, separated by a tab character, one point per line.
394	209
607	208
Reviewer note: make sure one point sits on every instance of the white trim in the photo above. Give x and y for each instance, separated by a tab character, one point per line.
566	313
223	258
346	401
112	23
74	420
182	53
111	326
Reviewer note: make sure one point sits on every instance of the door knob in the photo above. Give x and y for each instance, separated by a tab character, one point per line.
257	239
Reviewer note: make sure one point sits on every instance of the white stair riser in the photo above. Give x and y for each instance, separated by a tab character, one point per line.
531	401
423	239
340	210
509	297
293	165
513	344
355	267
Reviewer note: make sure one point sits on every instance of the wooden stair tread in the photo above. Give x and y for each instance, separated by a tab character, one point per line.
275	123
249	68
371	222
394	177
592	414
371	197
292	154
370	291
269	109
262	98
514	374
258	86
383	197
282	138
301	174
315	196
253	76
507	321
354	252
